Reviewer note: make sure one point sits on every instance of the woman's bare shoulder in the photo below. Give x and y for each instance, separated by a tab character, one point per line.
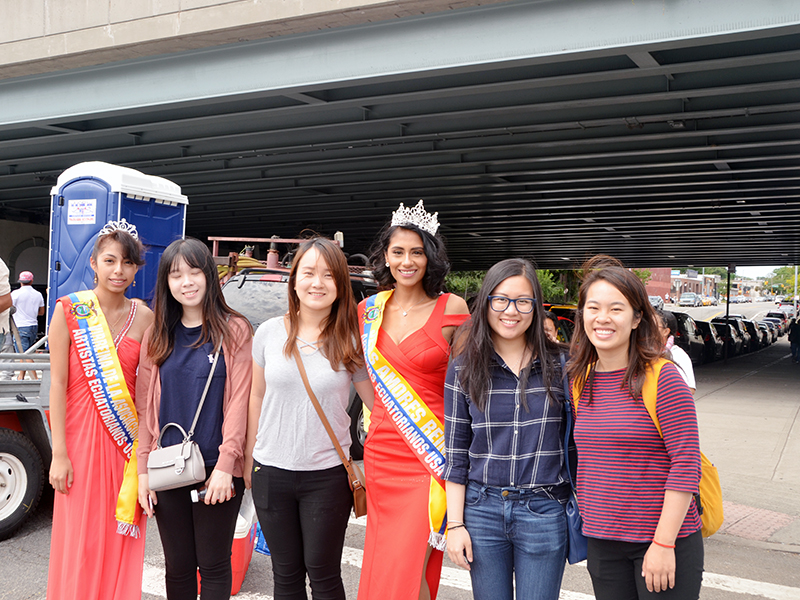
456	305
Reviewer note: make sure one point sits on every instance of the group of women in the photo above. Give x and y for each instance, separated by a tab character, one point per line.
466	446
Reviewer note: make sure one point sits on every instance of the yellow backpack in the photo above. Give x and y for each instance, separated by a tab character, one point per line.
709	496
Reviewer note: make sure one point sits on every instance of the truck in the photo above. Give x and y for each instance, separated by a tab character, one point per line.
25	441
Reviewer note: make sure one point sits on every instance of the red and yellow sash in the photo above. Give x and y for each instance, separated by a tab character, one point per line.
415	422
91	336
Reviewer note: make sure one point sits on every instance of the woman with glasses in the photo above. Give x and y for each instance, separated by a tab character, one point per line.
504	427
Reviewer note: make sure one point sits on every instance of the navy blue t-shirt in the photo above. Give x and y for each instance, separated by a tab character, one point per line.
183	378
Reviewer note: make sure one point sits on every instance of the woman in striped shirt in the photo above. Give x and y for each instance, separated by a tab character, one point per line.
634	488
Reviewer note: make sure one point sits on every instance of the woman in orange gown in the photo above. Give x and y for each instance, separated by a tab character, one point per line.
416	325
89	559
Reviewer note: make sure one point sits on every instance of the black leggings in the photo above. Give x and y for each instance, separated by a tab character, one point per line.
616	570
304	515
197	536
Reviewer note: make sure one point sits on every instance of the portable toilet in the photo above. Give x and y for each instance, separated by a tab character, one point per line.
89	195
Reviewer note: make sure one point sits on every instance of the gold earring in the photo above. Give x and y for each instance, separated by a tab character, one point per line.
95	278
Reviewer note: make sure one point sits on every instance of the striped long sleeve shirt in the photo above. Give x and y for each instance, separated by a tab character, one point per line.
624	466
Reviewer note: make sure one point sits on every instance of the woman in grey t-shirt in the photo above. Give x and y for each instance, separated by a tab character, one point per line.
300	486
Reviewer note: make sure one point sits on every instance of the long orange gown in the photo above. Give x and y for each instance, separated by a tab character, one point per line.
397	483
89	560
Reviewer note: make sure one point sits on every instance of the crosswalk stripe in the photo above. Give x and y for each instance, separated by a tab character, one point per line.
153	580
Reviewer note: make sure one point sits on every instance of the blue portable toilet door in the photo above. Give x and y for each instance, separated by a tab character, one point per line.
158	225
79	211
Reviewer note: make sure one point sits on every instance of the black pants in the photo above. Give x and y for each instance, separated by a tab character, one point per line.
303	515
197	536
616	570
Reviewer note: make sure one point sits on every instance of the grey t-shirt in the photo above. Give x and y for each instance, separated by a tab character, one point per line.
290	434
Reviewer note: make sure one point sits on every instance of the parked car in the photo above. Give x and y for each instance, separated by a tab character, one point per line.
657	302
769	333
714	345
261	293
739	327
755	334
780	316
777	323
730	336
690	299
689	337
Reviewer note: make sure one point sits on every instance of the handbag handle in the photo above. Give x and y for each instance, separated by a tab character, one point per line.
205	391
321	413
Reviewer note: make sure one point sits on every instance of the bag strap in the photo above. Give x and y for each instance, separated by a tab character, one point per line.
650	391
300	367
568	409
205	391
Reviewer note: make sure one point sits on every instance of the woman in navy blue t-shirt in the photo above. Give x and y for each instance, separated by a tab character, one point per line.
192	321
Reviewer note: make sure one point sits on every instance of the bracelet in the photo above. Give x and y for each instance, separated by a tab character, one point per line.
455	523
667	546
455	527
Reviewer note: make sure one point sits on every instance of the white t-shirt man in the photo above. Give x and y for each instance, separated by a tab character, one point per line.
684	364
28	302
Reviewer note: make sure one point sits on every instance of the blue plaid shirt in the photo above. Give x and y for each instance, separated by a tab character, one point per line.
506	446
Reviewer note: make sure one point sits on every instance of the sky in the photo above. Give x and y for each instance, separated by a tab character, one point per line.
754	271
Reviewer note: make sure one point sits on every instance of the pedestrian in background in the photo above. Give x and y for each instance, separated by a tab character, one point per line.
794	340
635	488
668	325
505	415
551	325
300	486
192	323
6	346
98	534
30	305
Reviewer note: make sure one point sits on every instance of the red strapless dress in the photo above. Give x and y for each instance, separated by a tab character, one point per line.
89	560
397	483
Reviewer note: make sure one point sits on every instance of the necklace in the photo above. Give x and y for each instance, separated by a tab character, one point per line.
404	311
113	328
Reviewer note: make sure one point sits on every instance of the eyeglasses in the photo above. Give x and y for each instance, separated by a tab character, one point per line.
523	305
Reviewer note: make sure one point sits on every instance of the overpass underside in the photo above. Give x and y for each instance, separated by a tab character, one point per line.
664	133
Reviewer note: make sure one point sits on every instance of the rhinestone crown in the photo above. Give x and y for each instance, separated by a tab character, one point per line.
121	225
416	216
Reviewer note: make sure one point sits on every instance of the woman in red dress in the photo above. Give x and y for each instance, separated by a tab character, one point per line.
93	554
406	334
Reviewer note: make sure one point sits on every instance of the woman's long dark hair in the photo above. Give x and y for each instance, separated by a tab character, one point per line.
646	344
340	335
168	310
474	345
436	270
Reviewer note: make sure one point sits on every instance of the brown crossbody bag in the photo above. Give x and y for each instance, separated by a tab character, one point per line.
354	474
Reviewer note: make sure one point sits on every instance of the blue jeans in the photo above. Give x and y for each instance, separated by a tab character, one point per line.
27	336
515	534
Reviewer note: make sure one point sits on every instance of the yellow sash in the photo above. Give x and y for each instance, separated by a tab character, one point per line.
415	422
91	336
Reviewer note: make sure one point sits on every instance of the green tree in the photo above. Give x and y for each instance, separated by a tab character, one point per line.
643	274
552	291
464	283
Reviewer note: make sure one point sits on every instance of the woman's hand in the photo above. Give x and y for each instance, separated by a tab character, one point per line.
61	474
459	547
658	568
147	497
219	487
248	471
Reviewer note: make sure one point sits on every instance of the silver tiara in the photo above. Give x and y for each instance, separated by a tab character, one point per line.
121	225
416	216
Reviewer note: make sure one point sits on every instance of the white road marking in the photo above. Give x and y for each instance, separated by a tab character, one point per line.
153	580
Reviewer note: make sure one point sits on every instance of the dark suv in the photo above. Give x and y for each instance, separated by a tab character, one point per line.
260	294
689	337
739	327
